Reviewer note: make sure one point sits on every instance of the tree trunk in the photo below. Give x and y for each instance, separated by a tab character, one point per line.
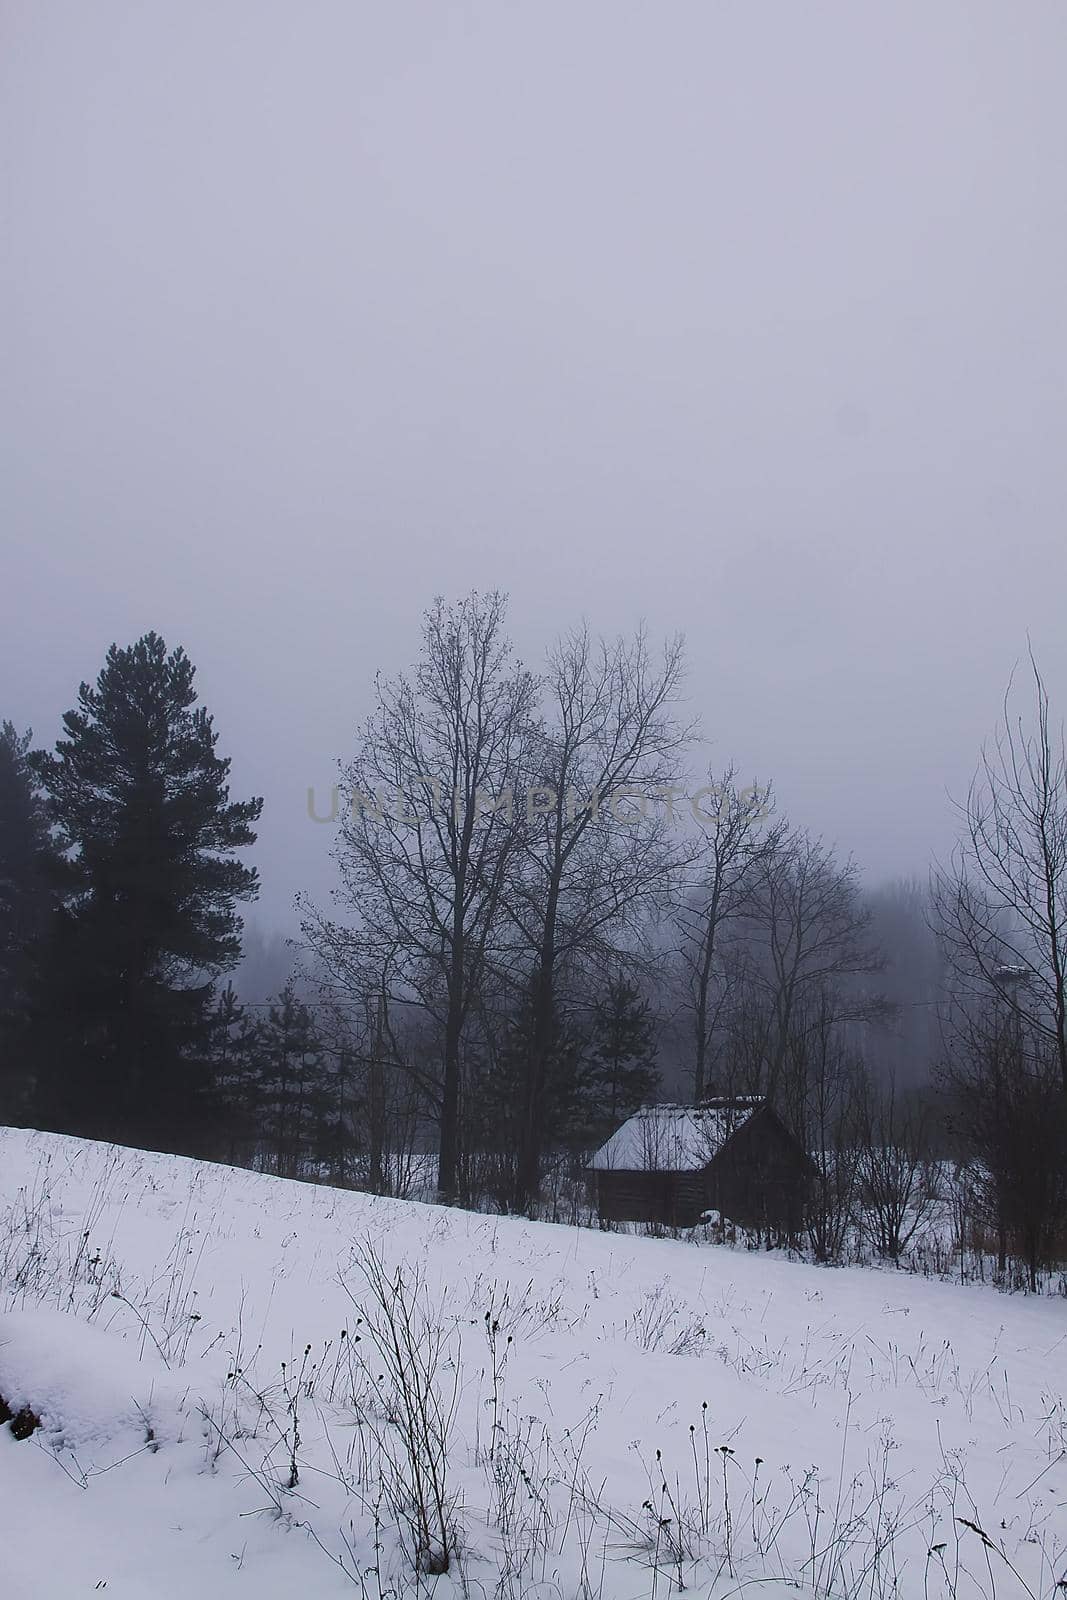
531	1136
448	1154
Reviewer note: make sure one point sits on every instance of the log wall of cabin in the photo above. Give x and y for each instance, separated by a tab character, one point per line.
676	1199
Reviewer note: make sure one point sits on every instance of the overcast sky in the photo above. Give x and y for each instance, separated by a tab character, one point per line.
744	318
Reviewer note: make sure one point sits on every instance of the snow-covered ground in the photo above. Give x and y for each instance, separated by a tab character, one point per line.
222	1411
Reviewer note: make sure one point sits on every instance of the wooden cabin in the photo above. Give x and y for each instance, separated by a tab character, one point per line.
672	1164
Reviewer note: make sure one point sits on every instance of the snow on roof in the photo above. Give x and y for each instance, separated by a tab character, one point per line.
674	1138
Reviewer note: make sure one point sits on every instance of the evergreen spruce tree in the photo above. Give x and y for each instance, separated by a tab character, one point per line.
293	1092
232	1058
621	1073
141	805
27	885
500	1098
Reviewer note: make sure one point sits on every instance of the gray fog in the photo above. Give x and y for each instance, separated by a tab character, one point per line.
743	318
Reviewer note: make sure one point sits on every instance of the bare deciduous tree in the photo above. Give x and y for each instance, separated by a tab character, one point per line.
808	934
736	840
428	830
1000	907
601	841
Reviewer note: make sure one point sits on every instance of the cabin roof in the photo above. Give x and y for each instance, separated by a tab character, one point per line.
674	1138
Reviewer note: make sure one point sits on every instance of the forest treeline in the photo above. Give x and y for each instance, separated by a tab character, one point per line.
544	916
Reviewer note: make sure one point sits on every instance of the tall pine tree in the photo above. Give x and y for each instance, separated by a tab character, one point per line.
140	802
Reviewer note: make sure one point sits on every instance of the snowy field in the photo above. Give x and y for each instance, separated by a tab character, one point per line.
246	1386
